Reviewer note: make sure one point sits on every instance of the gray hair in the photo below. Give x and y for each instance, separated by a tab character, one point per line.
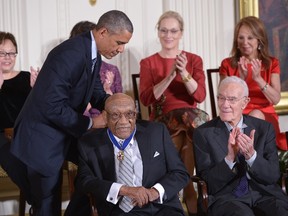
235	79
115	22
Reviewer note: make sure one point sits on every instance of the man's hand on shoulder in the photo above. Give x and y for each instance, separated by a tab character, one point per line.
99	122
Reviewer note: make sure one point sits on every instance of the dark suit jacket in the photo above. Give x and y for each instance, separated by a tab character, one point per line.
210	141
96	171
52	115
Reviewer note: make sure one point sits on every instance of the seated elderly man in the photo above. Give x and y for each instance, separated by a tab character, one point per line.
130	168
237	156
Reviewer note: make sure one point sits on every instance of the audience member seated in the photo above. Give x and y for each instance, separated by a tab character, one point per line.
14	85
109	74
144	150
251	61
236	155
173	82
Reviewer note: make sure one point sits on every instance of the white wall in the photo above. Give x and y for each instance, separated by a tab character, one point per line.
39	25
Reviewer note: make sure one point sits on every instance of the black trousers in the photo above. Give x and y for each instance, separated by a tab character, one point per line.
42	192
264	206
151	209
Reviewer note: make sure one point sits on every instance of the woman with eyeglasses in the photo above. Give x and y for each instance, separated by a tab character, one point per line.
251	61
172	81
14	85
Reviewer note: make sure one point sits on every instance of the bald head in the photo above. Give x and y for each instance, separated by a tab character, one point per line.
118	99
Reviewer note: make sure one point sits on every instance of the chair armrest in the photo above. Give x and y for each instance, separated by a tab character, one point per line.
202	192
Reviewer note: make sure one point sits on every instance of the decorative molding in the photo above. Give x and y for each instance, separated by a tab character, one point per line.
248	8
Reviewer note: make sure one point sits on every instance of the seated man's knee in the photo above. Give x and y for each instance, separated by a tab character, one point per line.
257	114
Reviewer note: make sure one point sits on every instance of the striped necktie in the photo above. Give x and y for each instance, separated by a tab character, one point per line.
93	64
125	177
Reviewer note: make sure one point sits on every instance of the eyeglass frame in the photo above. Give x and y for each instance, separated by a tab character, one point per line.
230	100
116	116
10	54
165	31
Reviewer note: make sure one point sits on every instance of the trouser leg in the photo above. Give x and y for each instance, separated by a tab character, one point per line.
45	192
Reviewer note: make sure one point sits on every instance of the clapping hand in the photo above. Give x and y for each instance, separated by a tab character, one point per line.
33	75
246	144
243	68
232	145
109	79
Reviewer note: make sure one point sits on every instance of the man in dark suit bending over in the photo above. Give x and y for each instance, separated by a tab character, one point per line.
130	168
52	117
241	167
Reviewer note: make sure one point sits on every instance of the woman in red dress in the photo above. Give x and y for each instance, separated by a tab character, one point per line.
173	82
250	60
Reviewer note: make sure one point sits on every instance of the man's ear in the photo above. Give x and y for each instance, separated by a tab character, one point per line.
245	102
103	32
104	115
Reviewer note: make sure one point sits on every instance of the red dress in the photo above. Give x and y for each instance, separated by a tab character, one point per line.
154	68
257	98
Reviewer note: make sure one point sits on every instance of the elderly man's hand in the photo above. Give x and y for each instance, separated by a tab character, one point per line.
246	144
140	196
232	146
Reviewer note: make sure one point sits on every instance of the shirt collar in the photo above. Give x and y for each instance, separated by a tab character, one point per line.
240	125
93	46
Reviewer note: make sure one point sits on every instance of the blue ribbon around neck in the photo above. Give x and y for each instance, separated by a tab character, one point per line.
125	143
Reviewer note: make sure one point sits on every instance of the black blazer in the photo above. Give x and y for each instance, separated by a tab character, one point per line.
96	171
210	147
52	115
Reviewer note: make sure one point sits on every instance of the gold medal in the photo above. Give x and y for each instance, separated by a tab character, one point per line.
120	155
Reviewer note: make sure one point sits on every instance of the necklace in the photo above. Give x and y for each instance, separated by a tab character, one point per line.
121	145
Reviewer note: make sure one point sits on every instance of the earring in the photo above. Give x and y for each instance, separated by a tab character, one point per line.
259	47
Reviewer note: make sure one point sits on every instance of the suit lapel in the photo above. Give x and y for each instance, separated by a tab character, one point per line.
106	151
144	145
249	128
92	77
221	140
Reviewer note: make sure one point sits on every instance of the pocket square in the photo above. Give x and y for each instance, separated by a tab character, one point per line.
156	154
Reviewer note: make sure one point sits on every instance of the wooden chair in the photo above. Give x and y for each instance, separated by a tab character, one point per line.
68	166
8	132
139	106
211	87
203	191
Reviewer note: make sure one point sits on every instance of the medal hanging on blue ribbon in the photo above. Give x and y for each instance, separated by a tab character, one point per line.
120	155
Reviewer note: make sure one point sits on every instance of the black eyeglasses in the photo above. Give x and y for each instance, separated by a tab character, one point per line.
10	54
128	115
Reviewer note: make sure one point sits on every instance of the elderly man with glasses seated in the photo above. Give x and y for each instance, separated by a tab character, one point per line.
236	155
131	168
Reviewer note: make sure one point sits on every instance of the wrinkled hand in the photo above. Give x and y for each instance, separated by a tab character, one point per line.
99	122
256	69
33	75
232	145
140	196
242	66
246	144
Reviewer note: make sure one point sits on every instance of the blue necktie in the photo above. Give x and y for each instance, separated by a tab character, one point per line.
242	188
